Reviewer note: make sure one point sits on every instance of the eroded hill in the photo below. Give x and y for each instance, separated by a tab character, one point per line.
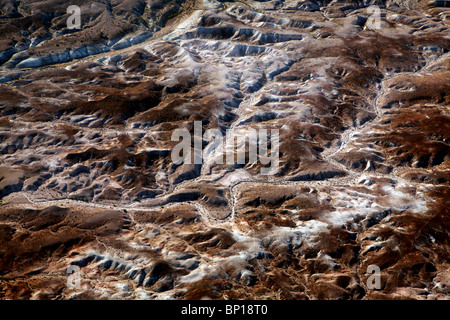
87	178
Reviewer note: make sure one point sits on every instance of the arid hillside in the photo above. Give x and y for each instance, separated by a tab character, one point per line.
359	92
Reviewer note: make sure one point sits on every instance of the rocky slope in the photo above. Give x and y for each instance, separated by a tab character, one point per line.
87	178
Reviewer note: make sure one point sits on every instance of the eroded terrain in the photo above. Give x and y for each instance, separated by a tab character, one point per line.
87	178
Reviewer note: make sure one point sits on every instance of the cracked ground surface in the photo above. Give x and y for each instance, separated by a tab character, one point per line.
87	178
